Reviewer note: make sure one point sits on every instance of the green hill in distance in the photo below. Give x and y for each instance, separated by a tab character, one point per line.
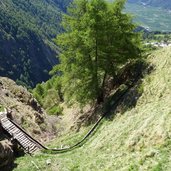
156	3
152	18
154	15
27	52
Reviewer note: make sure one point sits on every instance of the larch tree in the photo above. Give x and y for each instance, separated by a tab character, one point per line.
98	39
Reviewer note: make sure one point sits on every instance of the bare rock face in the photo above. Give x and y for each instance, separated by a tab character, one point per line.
6	153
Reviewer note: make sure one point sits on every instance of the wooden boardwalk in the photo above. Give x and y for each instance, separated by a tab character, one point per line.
29	144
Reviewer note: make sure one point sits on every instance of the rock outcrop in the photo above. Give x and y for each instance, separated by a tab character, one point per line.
26	112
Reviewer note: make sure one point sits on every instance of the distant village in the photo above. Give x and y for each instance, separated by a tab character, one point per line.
159	44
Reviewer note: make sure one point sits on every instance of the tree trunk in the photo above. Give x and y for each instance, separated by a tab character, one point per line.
99	98
60	94
101	94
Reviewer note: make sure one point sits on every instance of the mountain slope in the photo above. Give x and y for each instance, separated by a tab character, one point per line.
153	15
27	52
156	3
138	139
62	4
153	18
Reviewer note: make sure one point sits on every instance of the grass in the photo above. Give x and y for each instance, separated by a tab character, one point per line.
1	108
138	139
68	139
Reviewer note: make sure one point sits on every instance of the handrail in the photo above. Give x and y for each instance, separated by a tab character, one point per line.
30	137
93	128
46	149
78	143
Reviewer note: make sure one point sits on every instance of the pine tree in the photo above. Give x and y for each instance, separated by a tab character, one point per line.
98	39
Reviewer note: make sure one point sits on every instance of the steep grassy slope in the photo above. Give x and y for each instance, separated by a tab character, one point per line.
138	139
27	52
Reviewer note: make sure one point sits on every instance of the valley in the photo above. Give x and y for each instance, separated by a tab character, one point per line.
85	87
27	30
27	51
152	18
137	139
165	4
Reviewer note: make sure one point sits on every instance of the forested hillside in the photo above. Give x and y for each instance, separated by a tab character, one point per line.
157	3
108	100
27	52
93	48
62	4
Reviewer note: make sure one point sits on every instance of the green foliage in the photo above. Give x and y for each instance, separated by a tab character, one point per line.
157	37
39	90
158	167
98	39
1	108
26	32
140	89
133	167
55	110
138	139
50	95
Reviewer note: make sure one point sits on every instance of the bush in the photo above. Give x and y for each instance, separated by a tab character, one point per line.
1	108
55	110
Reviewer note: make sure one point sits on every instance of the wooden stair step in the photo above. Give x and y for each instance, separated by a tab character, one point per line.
27	143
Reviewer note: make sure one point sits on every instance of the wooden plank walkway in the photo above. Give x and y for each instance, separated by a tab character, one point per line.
30	145
27	142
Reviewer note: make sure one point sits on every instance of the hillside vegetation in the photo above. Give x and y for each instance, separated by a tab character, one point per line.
24	108
27	52
157	3
138	139
93	48
150	17
27	113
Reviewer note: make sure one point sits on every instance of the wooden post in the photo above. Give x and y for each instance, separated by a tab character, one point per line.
28	149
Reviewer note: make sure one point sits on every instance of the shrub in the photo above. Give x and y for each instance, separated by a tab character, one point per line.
55	110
